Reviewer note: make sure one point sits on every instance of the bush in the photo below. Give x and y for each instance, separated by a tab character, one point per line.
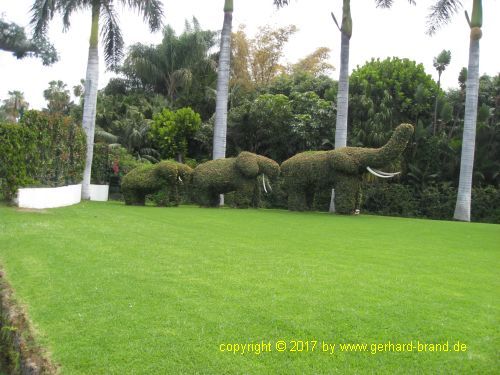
162	181
433	202
42	150
486	204
383	198
438	201
16	142
61	149
101	166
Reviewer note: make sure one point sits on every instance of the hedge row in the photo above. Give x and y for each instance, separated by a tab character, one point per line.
394	199
42	150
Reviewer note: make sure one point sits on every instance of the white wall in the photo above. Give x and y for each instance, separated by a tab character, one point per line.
99	192
49	197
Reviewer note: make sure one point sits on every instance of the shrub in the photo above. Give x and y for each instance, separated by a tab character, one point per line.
384	198
61	148
162	181
486	204
43	149
16	142
101	165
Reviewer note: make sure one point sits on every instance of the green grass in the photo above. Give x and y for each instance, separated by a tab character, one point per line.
127	290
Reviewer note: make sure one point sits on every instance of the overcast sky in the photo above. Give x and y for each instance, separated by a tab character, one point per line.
399	31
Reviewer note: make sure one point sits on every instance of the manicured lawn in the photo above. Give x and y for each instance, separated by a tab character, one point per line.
128	290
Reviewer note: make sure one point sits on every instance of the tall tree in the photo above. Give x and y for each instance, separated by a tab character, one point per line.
441	13
180	67
57	96
223	77
13	39
14	105
440	63
44	10
343	90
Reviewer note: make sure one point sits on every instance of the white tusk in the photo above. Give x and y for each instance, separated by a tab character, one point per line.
269	185
180	179
264	183
381	174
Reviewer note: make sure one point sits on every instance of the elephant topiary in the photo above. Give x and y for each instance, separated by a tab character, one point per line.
309	173
163	179
239	174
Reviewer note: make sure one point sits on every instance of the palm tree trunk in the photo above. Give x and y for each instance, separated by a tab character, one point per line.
90	100
223	76
434	129
220	128
343	91
463	205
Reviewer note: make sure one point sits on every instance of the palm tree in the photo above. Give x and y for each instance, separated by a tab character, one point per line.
15	105
220	127
440	63
343	90
441	13
223	76
169	67
44	10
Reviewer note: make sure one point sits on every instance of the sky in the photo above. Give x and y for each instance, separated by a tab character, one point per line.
377	33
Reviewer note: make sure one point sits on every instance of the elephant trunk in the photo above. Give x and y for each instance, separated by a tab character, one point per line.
390	151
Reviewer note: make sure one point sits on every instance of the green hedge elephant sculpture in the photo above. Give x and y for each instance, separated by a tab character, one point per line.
308	173
239	174
163	179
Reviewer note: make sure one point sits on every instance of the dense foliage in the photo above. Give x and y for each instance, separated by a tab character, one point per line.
238	175
61	149
170	131
16	142
43	149
163	180
308	174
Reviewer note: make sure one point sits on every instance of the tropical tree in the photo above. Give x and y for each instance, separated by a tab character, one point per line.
441	13
14	106
345	29
223	76
171	130
440	63
13	39
57	96
102	10
174	65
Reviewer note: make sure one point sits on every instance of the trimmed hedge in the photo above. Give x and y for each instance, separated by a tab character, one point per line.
163	180
238	175
16	142
42	150
308	174
61	149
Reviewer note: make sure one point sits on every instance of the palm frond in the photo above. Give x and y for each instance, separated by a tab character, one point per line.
389	3
67	7
112	36
440	14
42	12
104	136
151	10
280	3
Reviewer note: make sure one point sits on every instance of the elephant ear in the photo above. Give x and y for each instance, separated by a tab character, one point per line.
246	162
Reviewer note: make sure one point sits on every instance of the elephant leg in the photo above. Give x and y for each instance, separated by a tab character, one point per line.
297	200
347	188
134	198
206	198
243	196
161	197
